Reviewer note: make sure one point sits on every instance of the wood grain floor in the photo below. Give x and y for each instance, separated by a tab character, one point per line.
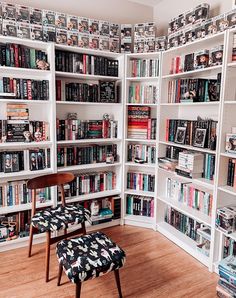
155	268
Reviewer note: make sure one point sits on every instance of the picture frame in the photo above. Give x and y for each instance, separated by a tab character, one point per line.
180	135
199	137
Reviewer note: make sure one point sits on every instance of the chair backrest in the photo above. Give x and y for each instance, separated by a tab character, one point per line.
59	179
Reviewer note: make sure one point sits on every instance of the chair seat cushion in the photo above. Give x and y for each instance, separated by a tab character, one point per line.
55	219
89	256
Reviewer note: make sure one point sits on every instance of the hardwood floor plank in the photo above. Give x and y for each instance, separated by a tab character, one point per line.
155	268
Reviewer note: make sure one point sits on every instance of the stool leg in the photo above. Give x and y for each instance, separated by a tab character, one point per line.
30	240
117	275
48	235
78	290
59	275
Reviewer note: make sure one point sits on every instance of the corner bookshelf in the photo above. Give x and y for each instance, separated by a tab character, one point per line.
189	111
129	166
39	110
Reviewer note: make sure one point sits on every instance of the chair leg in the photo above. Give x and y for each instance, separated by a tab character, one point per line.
117	275
48	238
59	275
30	240
78	290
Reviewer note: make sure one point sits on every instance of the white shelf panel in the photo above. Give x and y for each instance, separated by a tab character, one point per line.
142	104
186	104
85	76
12	145
88	51
145	141
195	214
139	193
24	71
205	71
109	224
140	218
27	101
88	103
142	78
93	196
23	207
230	102
231	64
229	155
204	150
182	241
200	182
88	166
144	55
89	141
141	165
25	174
228	189
40	45
232	235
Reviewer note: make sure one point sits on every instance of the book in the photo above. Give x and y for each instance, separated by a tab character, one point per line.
140	181
139	205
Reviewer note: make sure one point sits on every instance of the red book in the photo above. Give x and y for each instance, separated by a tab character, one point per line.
58	90
177	64
16	55
84	64
29	89
149	129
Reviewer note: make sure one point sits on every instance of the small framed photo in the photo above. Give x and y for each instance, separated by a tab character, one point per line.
180	135
200	137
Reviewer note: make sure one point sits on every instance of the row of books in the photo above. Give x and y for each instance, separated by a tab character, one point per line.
198	133
86	183
86	64
139	205
182	222
141	181
26	89
194	90
144	67
189	195
23	131
86	129
209	166
69	156
231	176
15	55
140	124
141	152
141	93
229	247
16	193
83	92
26	160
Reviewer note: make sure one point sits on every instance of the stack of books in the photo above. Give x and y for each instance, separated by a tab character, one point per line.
140	124
227	283
190	164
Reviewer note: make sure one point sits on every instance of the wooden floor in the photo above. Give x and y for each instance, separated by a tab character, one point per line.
155	267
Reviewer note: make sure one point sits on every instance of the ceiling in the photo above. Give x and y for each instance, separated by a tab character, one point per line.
147	2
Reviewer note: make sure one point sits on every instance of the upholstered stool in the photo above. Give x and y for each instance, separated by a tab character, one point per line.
89	256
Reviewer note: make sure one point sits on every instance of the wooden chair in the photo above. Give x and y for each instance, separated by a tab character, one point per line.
54	219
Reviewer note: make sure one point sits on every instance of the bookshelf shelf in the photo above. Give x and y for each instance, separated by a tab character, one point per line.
25	145
88	166
231	64
230	102
89	103
144	165
86	76
229	155
191	104
27	101
148	79
23	207
93	196
141	141
139	193
7	70
183	241
204	150
89	141
228	189
193	213
22	174
193	73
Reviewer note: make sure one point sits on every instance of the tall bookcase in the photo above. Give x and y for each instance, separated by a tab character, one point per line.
41	110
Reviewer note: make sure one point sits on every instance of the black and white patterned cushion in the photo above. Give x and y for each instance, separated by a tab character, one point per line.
89	256
55	219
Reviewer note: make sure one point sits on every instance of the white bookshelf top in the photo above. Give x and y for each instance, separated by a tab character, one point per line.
89	141
189	74
191	212
88	166
63	74
204	150
23	207
106	54
93	196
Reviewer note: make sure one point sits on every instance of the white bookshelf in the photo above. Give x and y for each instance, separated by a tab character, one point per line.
137	220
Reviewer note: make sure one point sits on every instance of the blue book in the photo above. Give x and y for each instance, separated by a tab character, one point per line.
231	279
228	265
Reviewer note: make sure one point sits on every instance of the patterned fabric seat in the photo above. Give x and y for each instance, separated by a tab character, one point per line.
89	256
55	219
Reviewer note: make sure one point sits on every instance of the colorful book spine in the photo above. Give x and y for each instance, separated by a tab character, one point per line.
139	205
141	181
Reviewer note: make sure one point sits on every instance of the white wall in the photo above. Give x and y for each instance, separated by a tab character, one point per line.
168	9
120	11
